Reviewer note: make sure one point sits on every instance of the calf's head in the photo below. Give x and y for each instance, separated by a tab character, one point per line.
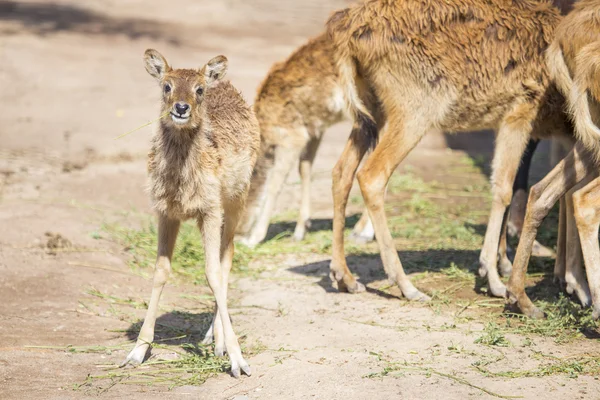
183	90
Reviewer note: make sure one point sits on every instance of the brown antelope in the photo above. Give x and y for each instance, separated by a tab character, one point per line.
299	99
199	168
574	63
409	67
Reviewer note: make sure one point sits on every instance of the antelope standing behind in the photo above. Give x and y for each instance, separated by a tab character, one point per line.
420	66
199	168
574	63
299	99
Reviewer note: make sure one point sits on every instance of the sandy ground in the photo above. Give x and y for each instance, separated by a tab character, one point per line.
72	79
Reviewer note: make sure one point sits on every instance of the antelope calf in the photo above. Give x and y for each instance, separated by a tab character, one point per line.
412	67
574	63
199	168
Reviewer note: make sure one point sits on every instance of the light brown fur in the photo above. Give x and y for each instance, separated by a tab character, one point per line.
574	62
199	167
457	65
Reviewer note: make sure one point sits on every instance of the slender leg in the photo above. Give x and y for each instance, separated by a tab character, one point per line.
285	157
574	273
393	147
518	204
306	161
167	234
587	213
215	272
232	216
561	243
343	176
504	264
364	232
510	144
542	198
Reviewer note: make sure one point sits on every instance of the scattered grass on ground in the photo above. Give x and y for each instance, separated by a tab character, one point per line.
438	229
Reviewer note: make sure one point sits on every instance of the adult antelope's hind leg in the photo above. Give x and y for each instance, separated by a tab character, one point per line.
343	176
306	162
511	141
560	263
518	204
504	264
394	146
587	213
542	198
574	272
167	234
215	273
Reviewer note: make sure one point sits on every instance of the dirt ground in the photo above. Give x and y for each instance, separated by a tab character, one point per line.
72	80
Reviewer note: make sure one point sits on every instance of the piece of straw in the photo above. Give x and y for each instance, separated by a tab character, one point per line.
140	127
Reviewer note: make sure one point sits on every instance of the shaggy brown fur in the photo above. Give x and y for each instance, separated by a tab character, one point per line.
456	65
199	167
574	62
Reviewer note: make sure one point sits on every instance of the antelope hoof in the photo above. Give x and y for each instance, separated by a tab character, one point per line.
497	289
299	234
361	238
137	355
540	250
596	312
247	241
347	283
581	293
237	367
533	312
524	304
416	296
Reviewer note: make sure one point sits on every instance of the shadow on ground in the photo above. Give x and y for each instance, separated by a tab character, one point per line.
368	268
176	328
45	18
317	225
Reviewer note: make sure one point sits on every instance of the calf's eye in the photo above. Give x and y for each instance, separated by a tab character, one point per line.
199	91
167	88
